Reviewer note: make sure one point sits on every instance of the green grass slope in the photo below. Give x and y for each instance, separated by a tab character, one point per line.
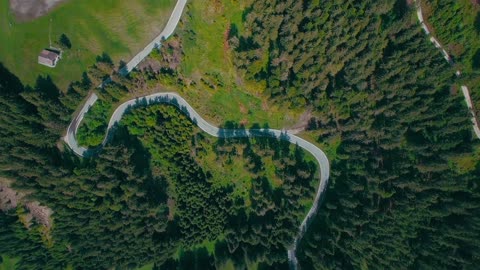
119	28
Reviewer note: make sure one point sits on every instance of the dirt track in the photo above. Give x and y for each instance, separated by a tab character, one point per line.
27	10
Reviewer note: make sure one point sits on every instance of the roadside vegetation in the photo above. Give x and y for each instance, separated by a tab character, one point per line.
198	63
120	28
457	26
385	92
94	126
7	263
152	181
212	202
403	191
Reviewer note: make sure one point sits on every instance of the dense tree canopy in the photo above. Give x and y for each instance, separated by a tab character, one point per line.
395	200
403	192
147	194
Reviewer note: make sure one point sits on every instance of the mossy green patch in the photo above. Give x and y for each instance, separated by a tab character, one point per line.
467	162
8	263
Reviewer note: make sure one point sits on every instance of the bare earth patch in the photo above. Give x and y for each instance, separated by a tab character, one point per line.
302	122
11	199
27	10
8	198
243	109
41	214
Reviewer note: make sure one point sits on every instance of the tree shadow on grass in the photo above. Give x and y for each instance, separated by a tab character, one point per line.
476	23
476	60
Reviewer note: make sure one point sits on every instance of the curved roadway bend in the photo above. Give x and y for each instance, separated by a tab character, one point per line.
167	31
175	99
465	91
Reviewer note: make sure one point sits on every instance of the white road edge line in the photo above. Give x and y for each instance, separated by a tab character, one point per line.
465	90
175	99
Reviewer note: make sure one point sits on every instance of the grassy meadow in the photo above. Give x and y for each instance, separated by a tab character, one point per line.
207	58
119	28
8	263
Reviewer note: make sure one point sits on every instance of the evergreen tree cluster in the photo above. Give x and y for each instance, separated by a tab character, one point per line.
456	24
144	196
396	199
205	211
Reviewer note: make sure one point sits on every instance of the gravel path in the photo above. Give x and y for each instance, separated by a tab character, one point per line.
465	90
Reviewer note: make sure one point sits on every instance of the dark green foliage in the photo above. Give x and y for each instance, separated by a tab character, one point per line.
196	260
16	239
100	206
263	231
456	24
476	60
65	42
94	126
112	210
117	192
203	210
394	201
104	58
304	48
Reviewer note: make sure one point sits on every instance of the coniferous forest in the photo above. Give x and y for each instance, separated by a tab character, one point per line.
404	189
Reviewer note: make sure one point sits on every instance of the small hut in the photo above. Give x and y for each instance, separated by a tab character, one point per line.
49	58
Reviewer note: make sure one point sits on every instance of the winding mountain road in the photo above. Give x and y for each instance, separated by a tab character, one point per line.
184	106
175	99
155	43
465	90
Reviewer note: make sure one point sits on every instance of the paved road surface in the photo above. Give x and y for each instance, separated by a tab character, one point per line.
167	32
70	138
175	99
465	90
468	99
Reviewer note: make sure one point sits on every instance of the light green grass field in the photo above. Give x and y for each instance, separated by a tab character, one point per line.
208	57
466	163
456	24
119	28
146	267
8	263
234	170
